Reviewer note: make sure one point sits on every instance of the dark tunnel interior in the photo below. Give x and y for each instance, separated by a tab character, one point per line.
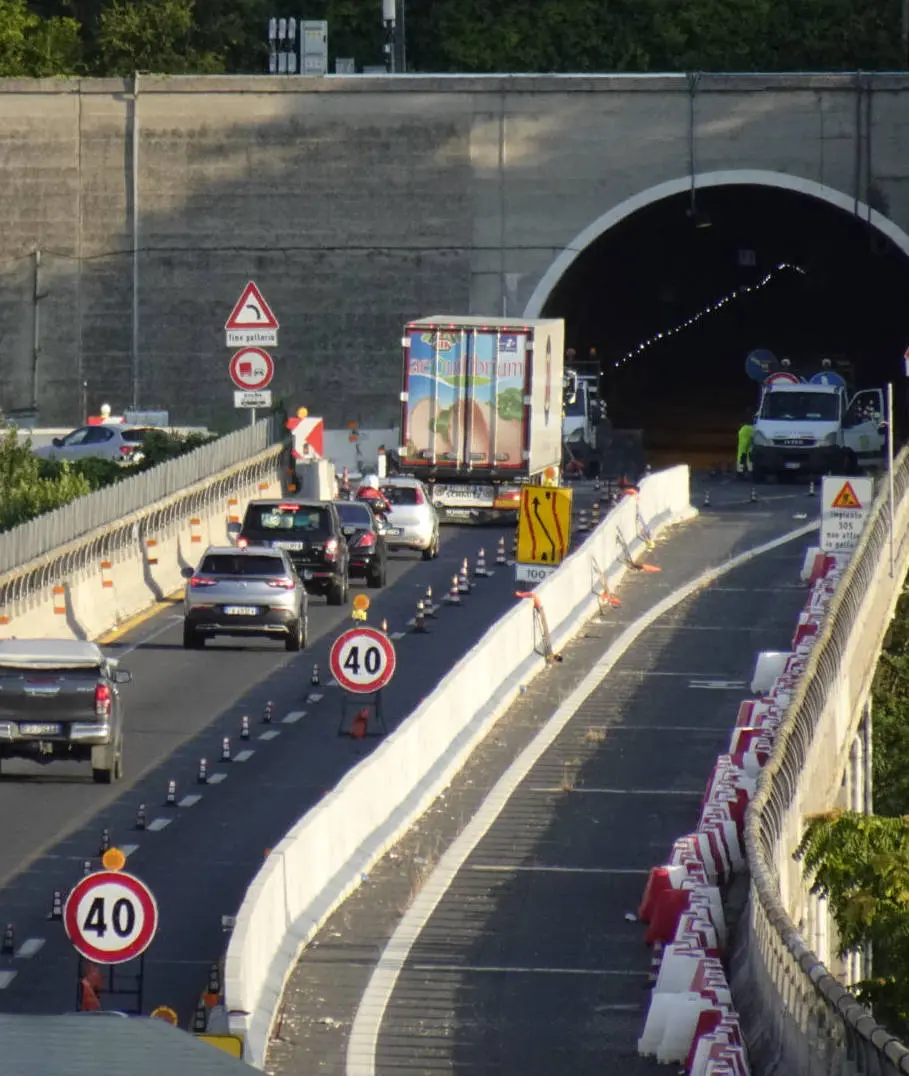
823	282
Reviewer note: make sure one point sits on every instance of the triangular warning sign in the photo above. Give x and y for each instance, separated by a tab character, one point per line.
252	311
846	498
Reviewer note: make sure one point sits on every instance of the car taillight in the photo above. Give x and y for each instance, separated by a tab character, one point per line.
126	450
242	543
367	539
201	581
284	584
103	699
420	498
331	549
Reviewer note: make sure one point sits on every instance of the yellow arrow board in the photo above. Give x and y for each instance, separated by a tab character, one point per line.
544	525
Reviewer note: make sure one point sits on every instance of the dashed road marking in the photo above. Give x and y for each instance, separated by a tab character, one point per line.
189	801
128	849
217	778
495	868
157	824
332	683
6	977
246	754
718	685
269	734
498	969
29	948
314	697
293	717
397	635
699	792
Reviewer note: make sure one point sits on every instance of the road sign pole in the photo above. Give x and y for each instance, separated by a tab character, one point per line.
252	416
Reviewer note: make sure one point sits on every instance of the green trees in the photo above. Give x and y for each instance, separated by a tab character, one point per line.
116	37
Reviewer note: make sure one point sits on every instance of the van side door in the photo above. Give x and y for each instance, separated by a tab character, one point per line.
864	432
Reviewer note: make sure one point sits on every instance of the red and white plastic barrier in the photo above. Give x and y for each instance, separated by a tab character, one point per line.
691	1019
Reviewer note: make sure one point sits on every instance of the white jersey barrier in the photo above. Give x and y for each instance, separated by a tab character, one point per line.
326	854
691	1019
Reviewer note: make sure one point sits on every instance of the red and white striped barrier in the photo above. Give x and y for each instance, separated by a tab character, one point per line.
691	1019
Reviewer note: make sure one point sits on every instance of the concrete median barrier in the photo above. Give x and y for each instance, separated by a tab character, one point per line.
327	853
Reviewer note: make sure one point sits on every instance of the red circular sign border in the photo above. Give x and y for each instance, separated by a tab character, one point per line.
269	362
141	942
382	641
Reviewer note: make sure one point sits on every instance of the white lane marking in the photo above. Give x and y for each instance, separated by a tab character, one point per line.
332	683
718	685
502	970
293	717
217	778
157	824
171	620
269	734
315	697
692	678
626	791
244	756
128	849
29	948
6	977
397	635
189	801
364	1033
495	868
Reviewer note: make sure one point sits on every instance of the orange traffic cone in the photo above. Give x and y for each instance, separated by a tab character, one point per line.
358	729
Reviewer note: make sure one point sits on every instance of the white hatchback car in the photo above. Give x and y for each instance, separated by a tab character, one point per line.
113	441
413	522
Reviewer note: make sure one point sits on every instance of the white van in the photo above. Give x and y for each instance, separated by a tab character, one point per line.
816	430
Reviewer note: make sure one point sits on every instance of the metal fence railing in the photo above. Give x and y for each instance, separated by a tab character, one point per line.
798	1019
55	529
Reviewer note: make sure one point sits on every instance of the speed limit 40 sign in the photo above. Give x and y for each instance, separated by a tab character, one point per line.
110	917
362	660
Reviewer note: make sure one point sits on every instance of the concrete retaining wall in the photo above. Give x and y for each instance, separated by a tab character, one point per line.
322	859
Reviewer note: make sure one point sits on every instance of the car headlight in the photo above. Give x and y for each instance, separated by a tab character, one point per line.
828	440
759	438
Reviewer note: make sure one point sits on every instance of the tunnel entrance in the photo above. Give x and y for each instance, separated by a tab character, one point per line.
673	296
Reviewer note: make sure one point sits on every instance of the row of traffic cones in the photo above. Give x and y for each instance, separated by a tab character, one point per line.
810	492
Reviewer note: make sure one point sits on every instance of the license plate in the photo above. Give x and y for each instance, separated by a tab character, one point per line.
287	545
39	729
478	496
793	466
241	610
394	532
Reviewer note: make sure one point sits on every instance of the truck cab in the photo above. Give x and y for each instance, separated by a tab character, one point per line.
581	407
816	429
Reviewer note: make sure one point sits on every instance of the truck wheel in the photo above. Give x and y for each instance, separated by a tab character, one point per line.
102	777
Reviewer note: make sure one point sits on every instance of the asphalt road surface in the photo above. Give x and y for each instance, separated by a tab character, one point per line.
198	858
523	954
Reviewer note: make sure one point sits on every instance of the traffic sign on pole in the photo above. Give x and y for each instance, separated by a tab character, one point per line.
110	917
251	369
251	320
362	660
544	532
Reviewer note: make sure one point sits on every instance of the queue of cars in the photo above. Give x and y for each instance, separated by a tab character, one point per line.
287	549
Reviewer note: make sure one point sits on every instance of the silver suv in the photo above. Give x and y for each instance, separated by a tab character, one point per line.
244	592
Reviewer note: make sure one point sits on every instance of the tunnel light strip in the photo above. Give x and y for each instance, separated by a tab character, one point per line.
712	308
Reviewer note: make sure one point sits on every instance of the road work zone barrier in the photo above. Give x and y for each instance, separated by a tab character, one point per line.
324	856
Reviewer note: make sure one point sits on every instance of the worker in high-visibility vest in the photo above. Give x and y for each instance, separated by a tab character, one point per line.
743	452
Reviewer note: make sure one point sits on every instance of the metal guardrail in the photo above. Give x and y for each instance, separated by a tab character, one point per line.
63	525
799	1020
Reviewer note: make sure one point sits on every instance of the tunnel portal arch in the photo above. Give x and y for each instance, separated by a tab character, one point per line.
741	177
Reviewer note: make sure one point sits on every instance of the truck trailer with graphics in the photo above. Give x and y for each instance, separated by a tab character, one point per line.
481	411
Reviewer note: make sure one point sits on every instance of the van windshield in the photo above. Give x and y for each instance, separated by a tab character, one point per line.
801	407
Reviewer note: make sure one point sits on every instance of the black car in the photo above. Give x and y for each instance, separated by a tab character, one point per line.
311	534
365	540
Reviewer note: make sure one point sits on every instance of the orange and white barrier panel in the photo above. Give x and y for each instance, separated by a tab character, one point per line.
60	600
107	578
195	530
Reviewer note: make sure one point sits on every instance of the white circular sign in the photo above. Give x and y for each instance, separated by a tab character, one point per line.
362	660
252	369
110	917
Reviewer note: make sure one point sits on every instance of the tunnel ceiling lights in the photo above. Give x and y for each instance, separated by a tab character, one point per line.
739	293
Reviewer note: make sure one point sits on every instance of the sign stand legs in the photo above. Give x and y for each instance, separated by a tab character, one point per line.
368	720
112	985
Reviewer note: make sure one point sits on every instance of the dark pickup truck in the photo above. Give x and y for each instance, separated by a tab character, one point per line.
60	702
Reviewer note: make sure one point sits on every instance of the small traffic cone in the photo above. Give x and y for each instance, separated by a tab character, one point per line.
141	817
358	728
419	621
454	594
500	552
8	945
56	912
314	679
104	845
464	579
214	980
268	713
244	728
225	749
595	514
171	800
383	627
481	570
707	499
202	775
429	607
514	546
88	996
596	485
86	867
811	488
583	524
753	498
